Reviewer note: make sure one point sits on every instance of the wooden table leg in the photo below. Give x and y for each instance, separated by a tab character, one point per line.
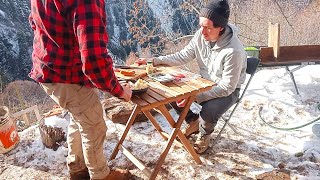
189	147
181	136
128	125
164	153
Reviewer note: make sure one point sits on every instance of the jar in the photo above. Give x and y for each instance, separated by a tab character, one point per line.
149	67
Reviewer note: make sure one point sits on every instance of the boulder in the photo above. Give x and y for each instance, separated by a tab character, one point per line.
119	111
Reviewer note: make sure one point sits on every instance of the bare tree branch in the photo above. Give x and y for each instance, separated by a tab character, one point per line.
281	11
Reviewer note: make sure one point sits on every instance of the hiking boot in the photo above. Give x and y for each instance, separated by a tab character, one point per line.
191	128
118	174
202	143
80	175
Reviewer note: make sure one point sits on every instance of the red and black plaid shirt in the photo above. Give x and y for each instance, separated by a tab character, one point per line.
70	44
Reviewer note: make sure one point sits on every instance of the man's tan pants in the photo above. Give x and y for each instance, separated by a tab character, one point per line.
87	129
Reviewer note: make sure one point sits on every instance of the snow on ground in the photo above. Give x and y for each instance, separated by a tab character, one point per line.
253	149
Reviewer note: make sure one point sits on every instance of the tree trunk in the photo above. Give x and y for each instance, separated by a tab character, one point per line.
51	136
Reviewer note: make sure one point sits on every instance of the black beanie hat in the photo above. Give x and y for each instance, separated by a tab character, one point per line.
217	11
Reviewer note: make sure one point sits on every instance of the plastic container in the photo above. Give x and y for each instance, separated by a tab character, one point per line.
9	137
252	52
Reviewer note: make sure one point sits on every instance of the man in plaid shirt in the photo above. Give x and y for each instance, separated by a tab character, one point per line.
70	60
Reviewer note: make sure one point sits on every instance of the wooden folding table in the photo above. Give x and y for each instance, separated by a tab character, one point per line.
156	97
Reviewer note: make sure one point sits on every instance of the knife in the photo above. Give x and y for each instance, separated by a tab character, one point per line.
128	67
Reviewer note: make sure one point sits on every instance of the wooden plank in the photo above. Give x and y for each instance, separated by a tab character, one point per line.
139	101
206	82
164	154
274	38
165	89
155	95
291	54
194	85
20	113
288	63
131	119
146	97
202	83
178	88
161	92
185	86
24	113
135	161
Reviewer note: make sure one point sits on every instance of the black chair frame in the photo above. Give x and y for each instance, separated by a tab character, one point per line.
252	66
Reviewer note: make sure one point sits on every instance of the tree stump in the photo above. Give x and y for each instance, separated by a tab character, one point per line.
51	137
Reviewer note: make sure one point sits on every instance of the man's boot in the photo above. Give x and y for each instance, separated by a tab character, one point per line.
80	175
202	143
118	174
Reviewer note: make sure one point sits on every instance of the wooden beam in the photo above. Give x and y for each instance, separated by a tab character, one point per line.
291	54
274	38
25	116
20	113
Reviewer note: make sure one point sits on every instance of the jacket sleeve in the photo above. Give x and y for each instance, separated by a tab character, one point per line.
89	25
232	67
179	58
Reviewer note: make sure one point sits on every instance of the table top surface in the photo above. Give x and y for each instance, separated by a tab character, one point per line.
158	93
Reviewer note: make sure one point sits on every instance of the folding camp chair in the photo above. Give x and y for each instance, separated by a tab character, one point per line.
252	65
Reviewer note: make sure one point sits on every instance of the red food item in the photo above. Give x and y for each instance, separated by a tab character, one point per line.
127	72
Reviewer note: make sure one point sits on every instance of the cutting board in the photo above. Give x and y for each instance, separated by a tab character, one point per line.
140	72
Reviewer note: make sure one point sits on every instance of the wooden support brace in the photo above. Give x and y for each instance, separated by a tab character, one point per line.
135	161
274	38
25	116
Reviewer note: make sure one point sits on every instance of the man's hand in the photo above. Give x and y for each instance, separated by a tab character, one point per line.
143	61
127	92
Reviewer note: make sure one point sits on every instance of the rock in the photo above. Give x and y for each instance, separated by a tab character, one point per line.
119	111
274	175
281	165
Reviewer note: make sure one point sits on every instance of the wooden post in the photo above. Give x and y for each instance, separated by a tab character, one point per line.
274	38
26	120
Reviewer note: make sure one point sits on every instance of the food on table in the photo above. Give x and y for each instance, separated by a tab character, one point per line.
161	77
127	72
140	84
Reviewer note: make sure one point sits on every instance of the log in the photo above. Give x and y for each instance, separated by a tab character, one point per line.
51	137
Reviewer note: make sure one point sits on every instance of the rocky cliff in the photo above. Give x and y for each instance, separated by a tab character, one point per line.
16	35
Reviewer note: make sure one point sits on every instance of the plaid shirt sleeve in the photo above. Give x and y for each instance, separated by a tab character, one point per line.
89	24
